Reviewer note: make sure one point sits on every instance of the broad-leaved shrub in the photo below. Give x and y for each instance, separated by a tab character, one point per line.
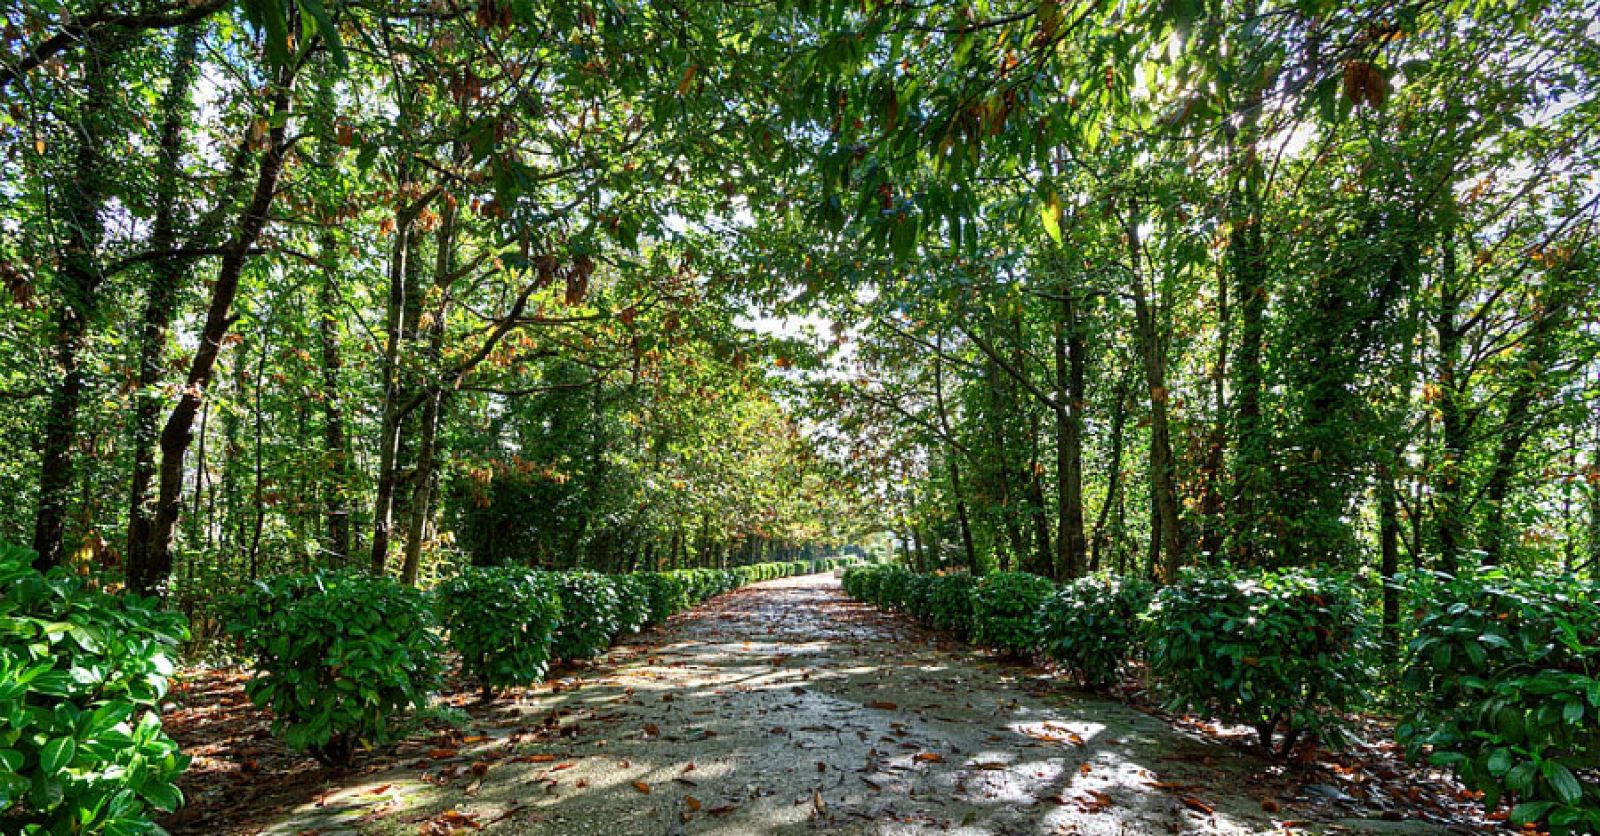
338	657
502	622
1091	627
1277	650
1504	678
590	612
1005	611
82	674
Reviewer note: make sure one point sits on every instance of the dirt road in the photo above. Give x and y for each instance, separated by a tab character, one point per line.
784	708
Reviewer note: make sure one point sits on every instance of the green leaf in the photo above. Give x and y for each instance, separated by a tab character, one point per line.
56	754
329	31
1562	781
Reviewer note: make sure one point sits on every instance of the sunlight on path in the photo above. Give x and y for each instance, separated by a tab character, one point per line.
783	708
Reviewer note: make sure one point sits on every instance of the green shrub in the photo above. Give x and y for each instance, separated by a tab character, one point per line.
854	581
337	656
668	594
633	603
891	587
502	622
950	602
1505	680
1091	626
82	674
1287	649
916	598
1005	611
590	613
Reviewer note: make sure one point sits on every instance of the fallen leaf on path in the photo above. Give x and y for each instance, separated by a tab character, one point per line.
1197	805
880	704
642	787
930	757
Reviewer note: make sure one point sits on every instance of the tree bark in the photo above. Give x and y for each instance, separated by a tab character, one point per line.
178	432
1163	494
1389	559
1070	396
1452	423
167	277
78	283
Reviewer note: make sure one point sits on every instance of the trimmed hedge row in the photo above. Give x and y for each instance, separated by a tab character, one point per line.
1502	675
1278	651
340	655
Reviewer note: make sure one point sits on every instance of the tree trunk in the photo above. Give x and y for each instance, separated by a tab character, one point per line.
1119	420
950	457
1389	560
1252	462
1163	493
178	431
1452	423
397	326
78	284
1070	394
167	277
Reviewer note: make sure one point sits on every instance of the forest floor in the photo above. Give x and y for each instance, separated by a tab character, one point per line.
785	708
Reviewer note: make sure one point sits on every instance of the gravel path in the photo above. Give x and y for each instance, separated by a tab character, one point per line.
784	708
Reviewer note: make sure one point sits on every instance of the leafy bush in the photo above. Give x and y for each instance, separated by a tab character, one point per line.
337	656
668	594
916	597
1090	626
950	602
1005	610
81	675
854	581
502	622
1505	680
891	587
590	614
633	603
1287	649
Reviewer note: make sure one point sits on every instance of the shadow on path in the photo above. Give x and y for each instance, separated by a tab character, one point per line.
784	708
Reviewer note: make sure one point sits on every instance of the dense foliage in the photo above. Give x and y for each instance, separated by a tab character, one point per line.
1505	676
1091	627
338	658
1285	652
1005	611
82	676
633	604
591	612
502	622
950	602
664	298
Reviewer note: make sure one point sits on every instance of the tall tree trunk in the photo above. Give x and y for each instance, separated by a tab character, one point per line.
167	277
398	325
1119	420
1389	558
178	431
1252	463
428	432
1453	426
1163	493
1070	389
78	285
1518	425
951	456
335	446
